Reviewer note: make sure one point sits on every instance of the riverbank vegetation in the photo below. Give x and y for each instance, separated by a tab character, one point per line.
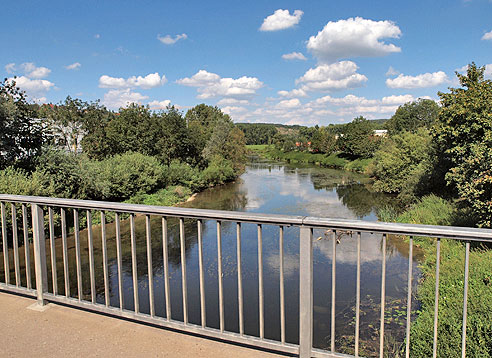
449	162
81	150
433	210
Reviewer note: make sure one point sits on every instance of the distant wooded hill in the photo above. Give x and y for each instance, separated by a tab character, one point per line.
263	133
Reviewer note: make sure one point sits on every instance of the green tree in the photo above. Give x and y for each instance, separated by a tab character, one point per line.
413	115
21	134
403	162
65	121
463	133
202	120
323	141
95	142
358	138
175	140
133	129
228	142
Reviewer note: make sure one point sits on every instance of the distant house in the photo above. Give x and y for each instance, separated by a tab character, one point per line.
380	132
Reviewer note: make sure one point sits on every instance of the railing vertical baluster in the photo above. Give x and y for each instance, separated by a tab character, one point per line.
183	269
305	292
383	297
149	265
53	250
409	297
16	245
219	274
165	260
357	299
282	292
465	300
39	252
260	282
90	244
333	288
105	258
119	258
65	252
5	245
134	263
239	279
436	297
27	250
202	279
77	253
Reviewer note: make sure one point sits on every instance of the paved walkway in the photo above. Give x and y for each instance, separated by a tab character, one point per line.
67	332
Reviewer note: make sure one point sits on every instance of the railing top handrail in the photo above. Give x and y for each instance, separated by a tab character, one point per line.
452	232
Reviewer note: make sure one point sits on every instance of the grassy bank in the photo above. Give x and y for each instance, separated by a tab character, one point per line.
437	211
335	160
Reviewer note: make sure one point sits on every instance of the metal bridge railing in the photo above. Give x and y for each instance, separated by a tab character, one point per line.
41	206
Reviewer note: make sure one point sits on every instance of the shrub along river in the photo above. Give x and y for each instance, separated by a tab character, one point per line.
277	188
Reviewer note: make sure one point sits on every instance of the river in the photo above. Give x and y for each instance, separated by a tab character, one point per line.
277	188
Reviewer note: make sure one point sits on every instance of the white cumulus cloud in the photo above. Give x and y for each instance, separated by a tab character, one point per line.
351	106
333	77
280	20
169	40
199	79
232	110
487	36
294	56
354	37
397	100
121	98
150	81
289	103
159	104
419	81
211	85
73	66
33	87
29	69
292	93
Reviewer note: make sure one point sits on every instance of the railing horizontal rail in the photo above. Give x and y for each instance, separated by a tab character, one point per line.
448	232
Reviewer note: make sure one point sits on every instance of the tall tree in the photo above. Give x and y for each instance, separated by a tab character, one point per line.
463	133
65	121
175	141
201	121
228	142
358	139
21	134
413	115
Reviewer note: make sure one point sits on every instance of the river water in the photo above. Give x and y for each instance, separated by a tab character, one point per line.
276	188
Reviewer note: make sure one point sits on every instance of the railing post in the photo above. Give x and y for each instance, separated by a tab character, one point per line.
39	252
305	292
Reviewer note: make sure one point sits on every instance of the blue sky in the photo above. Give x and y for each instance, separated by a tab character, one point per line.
296	62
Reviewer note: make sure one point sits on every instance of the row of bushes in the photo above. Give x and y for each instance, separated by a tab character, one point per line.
334	160
433	210
117	178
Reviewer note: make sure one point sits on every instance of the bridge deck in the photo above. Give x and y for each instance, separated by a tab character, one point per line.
60	331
